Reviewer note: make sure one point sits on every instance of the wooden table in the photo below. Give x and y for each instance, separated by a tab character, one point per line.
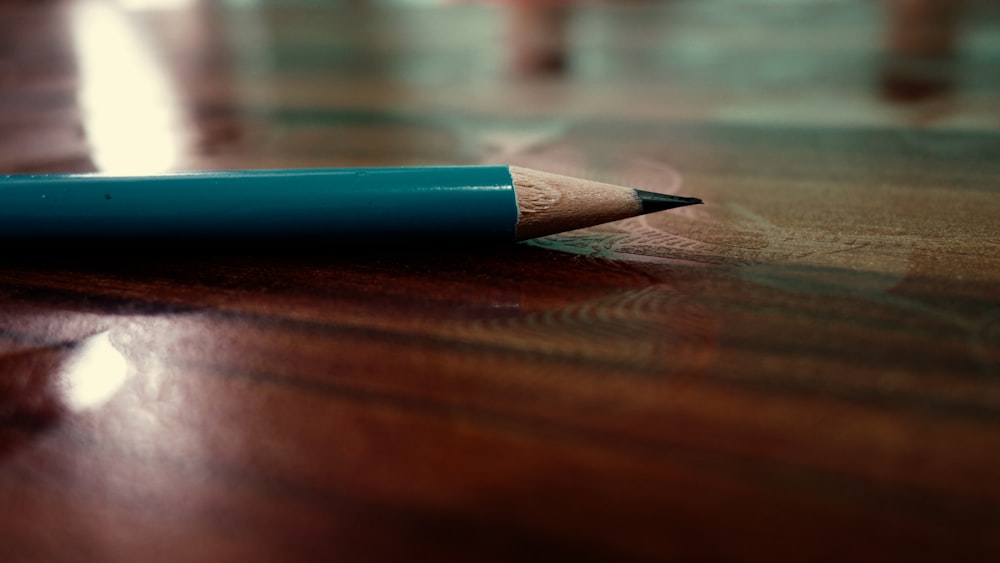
803	369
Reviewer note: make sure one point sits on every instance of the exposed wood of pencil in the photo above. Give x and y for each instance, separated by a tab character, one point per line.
552	203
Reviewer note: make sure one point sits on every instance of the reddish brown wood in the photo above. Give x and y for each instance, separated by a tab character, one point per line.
803	369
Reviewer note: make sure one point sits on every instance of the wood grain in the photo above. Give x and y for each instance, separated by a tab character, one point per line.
803	368
552	203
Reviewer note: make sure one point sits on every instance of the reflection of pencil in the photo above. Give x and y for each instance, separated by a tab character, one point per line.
480	202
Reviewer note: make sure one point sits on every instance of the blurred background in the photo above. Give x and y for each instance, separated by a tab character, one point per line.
144	86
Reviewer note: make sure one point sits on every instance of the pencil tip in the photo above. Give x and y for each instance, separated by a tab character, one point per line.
652	201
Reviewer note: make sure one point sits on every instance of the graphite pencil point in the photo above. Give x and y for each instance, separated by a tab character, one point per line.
652	201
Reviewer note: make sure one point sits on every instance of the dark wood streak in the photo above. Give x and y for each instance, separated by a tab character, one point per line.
552	331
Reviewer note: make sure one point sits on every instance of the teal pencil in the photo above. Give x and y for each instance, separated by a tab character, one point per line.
469	202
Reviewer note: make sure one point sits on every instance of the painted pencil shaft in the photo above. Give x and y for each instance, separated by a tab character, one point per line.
421	202
477	202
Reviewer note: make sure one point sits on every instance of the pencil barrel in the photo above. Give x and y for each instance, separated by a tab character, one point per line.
417	202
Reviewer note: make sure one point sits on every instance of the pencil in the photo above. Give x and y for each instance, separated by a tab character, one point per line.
466	202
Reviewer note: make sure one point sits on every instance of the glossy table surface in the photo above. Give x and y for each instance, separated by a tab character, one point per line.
805	368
